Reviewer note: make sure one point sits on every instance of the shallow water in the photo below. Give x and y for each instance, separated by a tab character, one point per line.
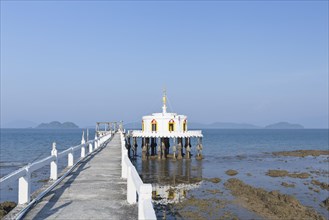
248	152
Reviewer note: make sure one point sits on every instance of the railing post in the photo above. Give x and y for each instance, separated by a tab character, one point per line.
24	188
53	164
90	147
70	158
145	193
83	147
95	143
131	190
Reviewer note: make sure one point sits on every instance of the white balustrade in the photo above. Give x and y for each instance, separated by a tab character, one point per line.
24	187
70	158
23	175
53	164
136	186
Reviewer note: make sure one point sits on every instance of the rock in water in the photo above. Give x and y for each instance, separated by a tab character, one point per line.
231	172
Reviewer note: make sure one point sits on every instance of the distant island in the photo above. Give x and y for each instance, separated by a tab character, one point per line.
284	125
57	125
228	125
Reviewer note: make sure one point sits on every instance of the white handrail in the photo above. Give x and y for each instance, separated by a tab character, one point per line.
136	185
23	175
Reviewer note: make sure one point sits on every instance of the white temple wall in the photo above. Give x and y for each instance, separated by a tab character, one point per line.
163	122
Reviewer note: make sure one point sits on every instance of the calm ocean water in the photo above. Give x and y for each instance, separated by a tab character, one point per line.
247	151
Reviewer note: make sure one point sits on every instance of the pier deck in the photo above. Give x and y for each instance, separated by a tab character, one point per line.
94	190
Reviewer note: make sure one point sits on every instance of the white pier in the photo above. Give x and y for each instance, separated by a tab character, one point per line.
102	184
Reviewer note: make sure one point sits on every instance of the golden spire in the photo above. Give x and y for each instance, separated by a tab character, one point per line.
164	100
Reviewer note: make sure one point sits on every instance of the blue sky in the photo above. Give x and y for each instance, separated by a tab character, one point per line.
255	62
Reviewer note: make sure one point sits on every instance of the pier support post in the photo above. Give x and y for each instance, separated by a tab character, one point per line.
24	187
131	190
188	149
128	146
163	149
174	149
199	149
135	147
159	149
167	143
53	164
179	146
153	145
147	148
144	149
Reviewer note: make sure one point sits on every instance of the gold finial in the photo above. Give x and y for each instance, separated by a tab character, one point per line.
164	98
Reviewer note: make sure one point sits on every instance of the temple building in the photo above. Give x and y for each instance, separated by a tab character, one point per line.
161	129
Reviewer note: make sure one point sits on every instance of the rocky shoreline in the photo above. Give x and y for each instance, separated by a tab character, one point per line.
270	205
214	199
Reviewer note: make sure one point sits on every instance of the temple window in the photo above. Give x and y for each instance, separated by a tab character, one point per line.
184	125
171	125
154	125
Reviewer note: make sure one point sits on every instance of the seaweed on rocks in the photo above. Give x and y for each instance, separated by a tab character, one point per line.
6	207
271	205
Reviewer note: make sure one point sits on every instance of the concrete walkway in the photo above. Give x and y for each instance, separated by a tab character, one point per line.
94	190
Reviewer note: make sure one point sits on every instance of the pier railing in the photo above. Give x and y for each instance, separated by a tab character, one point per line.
136	186
23	175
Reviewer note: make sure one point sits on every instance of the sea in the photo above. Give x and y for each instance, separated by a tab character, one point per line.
248	151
